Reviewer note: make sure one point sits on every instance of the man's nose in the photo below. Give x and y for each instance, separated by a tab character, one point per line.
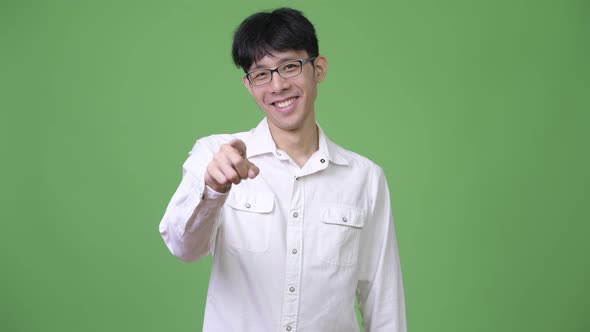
278	83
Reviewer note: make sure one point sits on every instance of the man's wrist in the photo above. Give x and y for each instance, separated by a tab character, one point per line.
213	193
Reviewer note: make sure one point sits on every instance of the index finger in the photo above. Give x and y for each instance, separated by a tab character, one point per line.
239	145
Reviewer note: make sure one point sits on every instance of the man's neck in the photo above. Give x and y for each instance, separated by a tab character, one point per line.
299	144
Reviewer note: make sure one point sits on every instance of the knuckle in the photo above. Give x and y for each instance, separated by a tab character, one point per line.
234	178
224	149
223	180
210	168
238	161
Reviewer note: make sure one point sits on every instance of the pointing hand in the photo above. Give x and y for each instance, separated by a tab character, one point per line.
229	165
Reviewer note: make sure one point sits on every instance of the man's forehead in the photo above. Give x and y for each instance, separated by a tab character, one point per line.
274	58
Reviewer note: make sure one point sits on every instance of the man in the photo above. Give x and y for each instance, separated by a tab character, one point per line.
299	228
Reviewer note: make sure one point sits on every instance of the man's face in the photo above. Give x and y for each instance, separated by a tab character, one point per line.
288	102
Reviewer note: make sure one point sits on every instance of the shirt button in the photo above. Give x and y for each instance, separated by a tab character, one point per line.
295	214
296	177
248	205
344	219
322	161
279	154
288	328
292	289
294	251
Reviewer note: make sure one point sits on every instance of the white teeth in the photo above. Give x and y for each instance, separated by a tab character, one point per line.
286	103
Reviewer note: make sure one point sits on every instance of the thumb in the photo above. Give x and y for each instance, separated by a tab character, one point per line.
253	171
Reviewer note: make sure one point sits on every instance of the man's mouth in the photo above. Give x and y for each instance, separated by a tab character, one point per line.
284	103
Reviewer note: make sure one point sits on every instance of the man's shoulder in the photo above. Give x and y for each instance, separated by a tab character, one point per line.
354	159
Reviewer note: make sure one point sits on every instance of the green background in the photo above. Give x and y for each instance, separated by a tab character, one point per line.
478	111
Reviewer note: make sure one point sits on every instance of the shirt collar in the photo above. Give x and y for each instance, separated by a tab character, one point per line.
260	142
333	152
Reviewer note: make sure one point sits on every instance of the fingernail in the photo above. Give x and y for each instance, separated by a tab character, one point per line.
253	172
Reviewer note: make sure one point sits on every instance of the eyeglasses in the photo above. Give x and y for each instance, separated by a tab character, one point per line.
285	70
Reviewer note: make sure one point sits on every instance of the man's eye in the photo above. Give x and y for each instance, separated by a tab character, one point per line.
258	76
290	66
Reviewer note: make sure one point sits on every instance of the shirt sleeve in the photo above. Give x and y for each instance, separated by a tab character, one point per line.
190	223
380	290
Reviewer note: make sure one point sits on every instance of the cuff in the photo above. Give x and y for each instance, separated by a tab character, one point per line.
210	193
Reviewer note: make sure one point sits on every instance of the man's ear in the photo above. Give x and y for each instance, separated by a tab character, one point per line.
321	68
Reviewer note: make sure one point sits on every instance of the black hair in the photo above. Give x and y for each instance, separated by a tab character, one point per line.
279	30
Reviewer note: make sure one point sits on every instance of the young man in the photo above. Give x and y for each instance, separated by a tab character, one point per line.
298	227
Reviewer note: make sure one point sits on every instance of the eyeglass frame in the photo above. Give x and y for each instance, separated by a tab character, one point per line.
302	61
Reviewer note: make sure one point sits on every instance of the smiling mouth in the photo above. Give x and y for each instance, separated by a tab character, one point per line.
284	103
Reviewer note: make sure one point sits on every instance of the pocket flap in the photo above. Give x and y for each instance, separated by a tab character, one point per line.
343	215
257	202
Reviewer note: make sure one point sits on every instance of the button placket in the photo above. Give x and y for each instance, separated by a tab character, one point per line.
292	281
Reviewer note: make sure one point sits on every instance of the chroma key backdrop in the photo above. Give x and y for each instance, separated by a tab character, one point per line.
478	111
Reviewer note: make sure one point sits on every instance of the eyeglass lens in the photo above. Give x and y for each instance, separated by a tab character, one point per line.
286	70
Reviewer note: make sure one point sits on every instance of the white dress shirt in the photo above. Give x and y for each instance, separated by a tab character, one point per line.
294	247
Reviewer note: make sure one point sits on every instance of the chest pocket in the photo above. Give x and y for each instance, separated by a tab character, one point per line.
247	220
339	233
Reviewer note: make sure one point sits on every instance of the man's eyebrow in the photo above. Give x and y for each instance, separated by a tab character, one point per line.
281	60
